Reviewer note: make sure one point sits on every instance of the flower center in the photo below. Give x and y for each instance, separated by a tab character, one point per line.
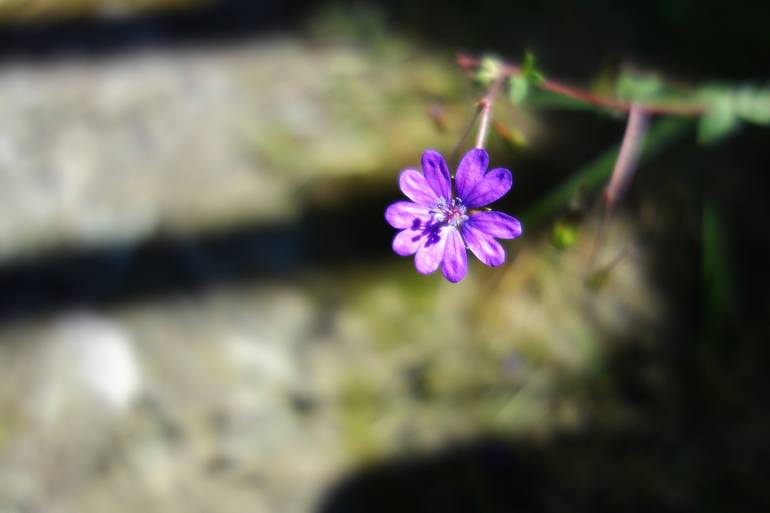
452	214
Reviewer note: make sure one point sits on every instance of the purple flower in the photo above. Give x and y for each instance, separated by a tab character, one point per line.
437	226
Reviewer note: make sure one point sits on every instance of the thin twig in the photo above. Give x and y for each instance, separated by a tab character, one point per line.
468	63
485	107
622	172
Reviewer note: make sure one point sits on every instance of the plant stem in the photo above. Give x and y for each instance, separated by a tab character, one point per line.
589	177
485	108
467	63
622	173
630	149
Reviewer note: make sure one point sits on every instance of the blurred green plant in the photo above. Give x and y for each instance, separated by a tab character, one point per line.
715	267
729	107
720	109
520	84
717	110
564	235
639	88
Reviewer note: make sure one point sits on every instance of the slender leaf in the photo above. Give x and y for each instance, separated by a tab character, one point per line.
719	121
518	86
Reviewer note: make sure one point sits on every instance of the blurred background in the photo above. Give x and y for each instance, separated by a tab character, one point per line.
200	310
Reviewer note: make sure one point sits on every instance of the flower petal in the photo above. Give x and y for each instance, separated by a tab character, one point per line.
416	188
431	252
484	246
493	186
437	174
455	262
405	214
496	224
407	242
470	171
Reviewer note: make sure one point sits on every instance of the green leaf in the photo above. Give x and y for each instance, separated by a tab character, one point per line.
518	87
716	266
719	121
530	71
519	84
634	87
752	104
547	100
488	71
564	235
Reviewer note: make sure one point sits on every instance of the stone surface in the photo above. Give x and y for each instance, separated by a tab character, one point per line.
161	141
257	394
258	397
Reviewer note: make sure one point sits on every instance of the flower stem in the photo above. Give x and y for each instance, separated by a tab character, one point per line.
622	173
467	63
485	108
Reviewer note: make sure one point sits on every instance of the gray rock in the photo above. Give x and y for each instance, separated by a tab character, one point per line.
103	151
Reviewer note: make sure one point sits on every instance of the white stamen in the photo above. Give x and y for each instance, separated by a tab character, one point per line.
453	214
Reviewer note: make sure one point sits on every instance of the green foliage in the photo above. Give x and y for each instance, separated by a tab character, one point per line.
719	121
488	71
637	87
752	104
724	108
519	84
530	71
728	107
542	99
715	265
564	235
518	87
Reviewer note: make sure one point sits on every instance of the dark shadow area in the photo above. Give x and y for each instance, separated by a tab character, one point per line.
708	39
220	21
681	425
696	441
320	238
641	470
487	475
688	38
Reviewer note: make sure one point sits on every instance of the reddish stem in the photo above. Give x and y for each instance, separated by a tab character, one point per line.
468	63
485	108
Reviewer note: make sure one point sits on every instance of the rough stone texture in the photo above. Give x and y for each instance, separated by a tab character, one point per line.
121	148
254	396
259	397
212	423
